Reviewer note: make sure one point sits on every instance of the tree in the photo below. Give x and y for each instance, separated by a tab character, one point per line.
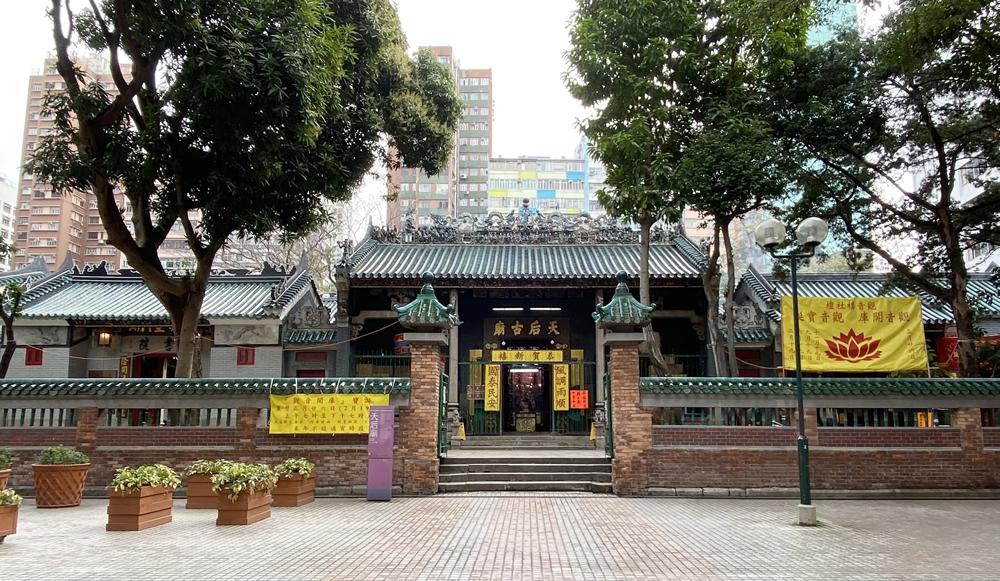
678	100
249	114
11	295
889	124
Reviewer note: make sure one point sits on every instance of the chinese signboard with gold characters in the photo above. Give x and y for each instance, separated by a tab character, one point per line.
311	413
492	389
518	356
560	387
855	334
526	328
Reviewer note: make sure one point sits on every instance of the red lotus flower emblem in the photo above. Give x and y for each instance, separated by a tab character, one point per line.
853	347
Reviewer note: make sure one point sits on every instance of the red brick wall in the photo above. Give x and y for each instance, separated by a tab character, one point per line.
991	437
341	460
723	436
889	438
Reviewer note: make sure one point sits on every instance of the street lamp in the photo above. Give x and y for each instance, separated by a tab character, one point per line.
810	234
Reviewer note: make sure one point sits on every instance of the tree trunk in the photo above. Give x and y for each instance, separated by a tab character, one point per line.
709	281
968	365
658	366
10	347
734	368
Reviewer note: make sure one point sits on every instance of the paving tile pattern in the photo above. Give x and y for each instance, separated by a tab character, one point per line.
521	536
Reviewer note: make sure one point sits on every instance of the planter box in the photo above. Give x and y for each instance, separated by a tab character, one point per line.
294	491
199	492
59	485
247	509
139	509
4	475
8	520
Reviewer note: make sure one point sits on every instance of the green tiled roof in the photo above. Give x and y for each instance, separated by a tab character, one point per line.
199	387
381	260
128	300
311	337
750	335
623	309
785	386
426	310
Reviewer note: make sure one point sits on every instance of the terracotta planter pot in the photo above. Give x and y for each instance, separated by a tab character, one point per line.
59	485
245	510
294	491
4	475
139	509
199	492
8	520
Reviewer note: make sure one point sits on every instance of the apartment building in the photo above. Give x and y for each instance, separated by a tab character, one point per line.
8	217
463	187
52	224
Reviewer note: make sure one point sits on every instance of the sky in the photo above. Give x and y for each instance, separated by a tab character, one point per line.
522	41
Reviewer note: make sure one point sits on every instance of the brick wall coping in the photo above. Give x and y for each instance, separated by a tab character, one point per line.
852	386
695	426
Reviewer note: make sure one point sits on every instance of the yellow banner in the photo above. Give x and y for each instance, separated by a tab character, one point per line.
560	387
308	413
856	334
492	389
527	356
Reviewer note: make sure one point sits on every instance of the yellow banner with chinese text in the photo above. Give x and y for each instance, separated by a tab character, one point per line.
522	356
560	387
855	334
491	389
311	413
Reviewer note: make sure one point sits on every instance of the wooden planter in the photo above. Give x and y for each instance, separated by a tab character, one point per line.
199	492
247	509
8	520
4	475
59	485
294	491
139	509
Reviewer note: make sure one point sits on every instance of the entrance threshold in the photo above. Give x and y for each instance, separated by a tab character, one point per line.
530	441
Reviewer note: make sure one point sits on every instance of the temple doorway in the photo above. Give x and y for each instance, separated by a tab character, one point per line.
527	399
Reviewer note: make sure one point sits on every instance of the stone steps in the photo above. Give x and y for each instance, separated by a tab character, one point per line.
509	472
539	442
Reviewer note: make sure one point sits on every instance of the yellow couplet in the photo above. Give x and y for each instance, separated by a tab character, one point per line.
492	389
560	387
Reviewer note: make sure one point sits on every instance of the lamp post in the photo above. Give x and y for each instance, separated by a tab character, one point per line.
810	233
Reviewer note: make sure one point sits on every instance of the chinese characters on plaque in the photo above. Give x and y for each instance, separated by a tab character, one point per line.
560	387
579	399
522	356
322	414
526	328
492	389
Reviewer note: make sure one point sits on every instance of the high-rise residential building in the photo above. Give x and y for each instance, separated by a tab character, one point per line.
464	185
549	185
8	217
52	224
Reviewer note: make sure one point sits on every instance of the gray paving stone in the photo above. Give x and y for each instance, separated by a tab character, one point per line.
521	536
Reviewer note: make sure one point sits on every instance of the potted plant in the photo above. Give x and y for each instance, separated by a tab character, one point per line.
6	454
296	486
199	488
245	493
141	498
9	501
60	474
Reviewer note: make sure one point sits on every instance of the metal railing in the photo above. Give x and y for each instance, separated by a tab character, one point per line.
381	365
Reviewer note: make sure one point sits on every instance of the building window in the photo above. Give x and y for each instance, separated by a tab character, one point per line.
53	209
36	86
22	235
38	210
484	81
33	355
22	220
244	356
30	145
91	235
32	131
475	81
425	187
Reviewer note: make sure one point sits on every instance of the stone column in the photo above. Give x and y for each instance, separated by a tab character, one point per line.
632	426
454	417
418	423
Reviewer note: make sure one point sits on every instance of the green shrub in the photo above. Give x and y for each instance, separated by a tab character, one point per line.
61	455
239	477
208	467
132	479
9	497
293	466
6	455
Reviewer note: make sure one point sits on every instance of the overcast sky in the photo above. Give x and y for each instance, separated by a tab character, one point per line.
522	41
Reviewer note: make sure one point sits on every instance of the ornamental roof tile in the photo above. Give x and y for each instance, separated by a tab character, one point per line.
750	335
200	387
781	386
623	309
426	310
311	336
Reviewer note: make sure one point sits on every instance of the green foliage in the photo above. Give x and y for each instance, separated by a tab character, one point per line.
132	479
252	115
6	456
206	467
9	497
61	455
239	477
988	356
293	466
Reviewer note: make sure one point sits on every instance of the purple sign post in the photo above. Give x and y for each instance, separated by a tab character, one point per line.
380	439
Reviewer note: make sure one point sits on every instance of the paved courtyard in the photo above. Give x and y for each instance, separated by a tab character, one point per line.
520	536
